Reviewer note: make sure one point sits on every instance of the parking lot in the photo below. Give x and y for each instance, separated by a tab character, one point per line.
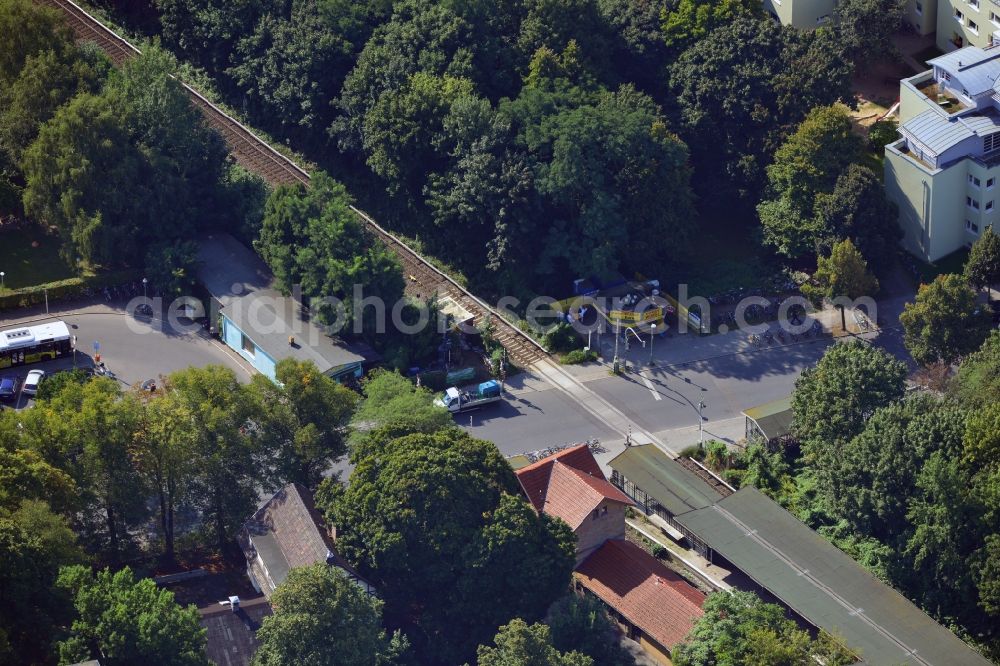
135	350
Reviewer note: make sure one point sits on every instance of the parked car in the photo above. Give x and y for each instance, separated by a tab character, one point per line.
8	388
31	382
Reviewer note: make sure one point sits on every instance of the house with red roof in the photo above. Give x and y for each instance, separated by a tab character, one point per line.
651	603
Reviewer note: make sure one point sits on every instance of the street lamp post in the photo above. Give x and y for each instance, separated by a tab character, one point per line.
652	334
701	425
618	334
144	283
2	274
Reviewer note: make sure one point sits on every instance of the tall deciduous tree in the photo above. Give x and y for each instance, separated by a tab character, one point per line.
34	543
982	268
739	628
312	238
978	379
741	90
308	414
290	67
430	518
394	403
687	21
877	471
857	209
166	456
29	29
82	176
865	28
833	400
322	618
47	81
944	323
229	441
123	621
807	163
521	644
843	273
582	624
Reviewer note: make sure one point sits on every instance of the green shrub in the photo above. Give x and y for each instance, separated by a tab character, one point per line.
578	356
562	338
693	451
56	382
660	553
435	380
882	133
63	289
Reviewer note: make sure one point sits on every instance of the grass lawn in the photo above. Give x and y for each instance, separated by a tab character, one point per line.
25	265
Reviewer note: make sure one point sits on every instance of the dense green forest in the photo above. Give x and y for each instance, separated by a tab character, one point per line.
529	142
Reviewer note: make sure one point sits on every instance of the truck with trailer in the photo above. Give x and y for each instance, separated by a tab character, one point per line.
457	400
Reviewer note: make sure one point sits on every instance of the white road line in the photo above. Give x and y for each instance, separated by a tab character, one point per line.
649	385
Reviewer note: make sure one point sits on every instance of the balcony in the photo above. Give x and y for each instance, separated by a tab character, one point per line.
946	100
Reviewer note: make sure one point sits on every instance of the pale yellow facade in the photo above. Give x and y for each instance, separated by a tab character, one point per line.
802	14
922	15
966	23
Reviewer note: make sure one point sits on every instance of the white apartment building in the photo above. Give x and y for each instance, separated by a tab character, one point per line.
944	170
962	23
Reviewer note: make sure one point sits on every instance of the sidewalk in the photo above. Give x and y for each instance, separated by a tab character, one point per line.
684	348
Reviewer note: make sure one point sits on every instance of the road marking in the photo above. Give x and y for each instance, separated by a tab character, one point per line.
649	385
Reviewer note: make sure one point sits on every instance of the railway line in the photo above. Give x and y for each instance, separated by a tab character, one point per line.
256	155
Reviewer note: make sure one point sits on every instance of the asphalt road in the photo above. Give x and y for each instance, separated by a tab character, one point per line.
134	350
661	400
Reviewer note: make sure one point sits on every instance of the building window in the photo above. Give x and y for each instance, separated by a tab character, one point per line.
974	4
971	203
995	18
991	142
248	345
989	205
604	510
973	27
974	181
971	227
919	9
959	16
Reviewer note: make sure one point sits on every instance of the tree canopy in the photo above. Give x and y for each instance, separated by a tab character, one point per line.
833	400
944	323
322	618
843	273
435	521
808	163
124	621
982	268
738	628
311	238
521	644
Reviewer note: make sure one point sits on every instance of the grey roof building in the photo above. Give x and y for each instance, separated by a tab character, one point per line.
258	322
286	533
806	572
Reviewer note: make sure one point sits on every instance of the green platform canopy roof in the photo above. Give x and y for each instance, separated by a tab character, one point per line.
664	479
773	418
822	584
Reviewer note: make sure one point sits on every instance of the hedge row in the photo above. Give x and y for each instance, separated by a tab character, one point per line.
63	289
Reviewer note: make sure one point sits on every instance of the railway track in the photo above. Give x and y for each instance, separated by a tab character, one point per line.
254	154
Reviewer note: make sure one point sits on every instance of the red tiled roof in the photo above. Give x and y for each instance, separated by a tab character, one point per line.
641	588
535	477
